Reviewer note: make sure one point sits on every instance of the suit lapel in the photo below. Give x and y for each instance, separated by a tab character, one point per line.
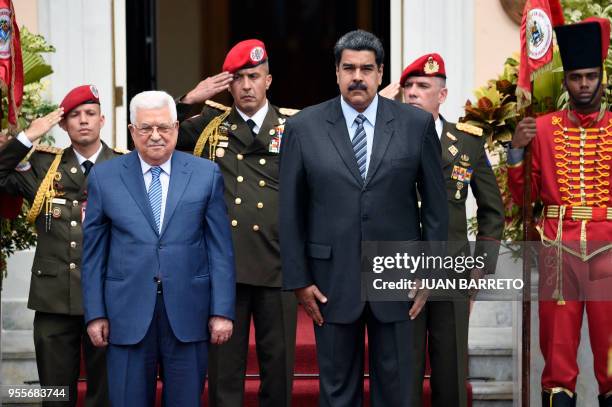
339	136
383	131
133	179
179	177
262	141
241	131
69	161
449	143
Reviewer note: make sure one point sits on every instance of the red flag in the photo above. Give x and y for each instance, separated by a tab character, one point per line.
539	18
11	65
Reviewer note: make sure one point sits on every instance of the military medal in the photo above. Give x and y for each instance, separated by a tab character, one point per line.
57	176
272	132
453	150
56	213
465	157
233	127
220	152
73	170
277	138
459	188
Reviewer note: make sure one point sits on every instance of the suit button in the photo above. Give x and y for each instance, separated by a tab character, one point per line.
161	246
364	217
73	223
262	161
262	183
238	201
72	266
75	203
239	157
234	223
155	280
240	178
256	228
260	205
73	244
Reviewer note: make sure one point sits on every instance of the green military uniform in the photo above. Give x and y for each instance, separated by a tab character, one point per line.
464	163
55	287
250	167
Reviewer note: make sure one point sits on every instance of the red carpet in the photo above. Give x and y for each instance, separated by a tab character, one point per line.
305	384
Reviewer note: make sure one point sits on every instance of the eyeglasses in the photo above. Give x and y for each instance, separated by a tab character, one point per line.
162	129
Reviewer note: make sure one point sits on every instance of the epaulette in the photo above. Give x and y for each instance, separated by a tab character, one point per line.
285	111
48	149
120	150
217	106
469	129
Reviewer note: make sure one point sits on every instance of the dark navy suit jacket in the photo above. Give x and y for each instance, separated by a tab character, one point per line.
123	251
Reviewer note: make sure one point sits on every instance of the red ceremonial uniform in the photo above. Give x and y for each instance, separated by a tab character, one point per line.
571	174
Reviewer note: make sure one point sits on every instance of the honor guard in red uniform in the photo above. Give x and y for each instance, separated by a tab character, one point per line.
571	167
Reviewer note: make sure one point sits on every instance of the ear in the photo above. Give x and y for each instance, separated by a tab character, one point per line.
338	74
102	120
268	81
380	74
62	124
442	95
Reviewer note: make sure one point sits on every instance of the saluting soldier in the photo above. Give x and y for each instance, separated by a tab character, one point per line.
571	161
245	141
53	181
464	163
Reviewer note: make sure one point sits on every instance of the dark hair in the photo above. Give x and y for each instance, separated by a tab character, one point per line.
359	40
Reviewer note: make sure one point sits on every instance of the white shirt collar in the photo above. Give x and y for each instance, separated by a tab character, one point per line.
350	113
82	159
439	126
166	167
258	117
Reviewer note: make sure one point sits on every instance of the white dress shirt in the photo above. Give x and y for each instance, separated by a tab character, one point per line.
350	114
439	126
258	117
164	179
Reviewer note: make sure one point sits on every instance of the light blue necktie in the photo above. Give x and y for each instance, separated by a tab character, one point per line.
155	195
360	145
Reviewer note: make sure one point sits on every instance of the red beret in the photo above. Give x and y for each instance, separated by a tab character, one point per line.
245	54
427	65
80	95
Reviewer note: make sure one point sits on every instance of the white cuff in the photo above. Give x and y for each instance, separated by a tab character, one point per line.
23	139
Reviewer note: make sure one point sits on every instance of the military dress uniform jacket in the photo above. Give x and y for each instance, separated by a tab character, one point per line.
464	162
56	272
250	167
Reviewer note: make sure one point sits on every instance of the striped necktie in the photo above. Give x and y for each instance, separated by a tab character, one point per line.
360	145
155	195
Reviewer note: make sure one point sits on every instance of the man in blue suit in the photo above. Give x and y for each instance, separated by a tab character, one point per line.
158	267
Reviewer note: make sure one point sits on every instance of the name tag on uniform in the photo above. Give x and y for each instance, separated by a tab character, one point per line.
58	201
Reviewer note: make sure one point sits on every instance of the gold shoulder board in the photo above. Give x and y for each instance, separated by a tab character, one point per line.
285	111
470	129
120	150
48	149
217	106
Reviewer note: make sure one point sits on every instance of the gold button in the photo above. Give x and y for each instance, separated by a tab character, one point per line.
72	266
73	223
75	203
238	201
262	161
73	244
239	157
262	183
234	223
255	228
260	205
240	178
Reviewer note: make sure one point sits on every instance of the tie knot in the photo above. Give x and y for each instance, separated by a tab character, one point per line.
251	124
155	171
360	119
87	165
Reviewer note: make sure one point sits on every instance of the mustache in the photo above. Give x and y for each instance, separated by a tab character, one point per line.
357	86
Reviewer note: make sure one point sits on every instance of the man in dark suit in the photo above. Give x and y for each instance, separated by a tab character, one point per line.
464	162
245	141
158	267
350	170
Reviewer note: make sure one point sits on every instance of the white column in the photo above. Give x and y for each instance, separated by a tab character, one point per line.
81	31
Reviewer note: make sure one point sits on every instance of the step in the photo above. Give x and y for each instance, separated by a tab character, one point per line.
490	353
492	393
491	314
18	357
16	315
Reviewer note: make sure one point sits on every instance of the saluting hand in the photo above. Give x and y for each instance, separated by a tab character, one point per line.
208	88
308	297
524	133
98	332
392	91
220	329
42	125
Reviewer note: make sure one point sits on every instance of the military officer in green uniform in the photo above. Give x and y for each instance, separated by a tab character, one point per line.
245	141
443	325
53	181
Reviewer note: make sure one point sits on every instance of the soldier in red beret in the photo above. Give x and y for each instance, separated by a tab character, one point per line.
464	161
571	164
245	141
53	181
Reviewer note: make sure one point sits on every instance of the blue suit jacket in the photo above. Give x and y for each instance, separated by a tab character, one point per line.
123	251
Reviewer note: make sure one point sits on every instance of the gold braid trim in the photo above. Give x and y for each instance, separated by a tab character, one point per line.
211	135
45	191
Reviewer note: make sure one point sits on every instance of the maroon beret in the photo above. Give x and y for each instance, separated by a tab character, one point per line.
245	54
79	96
427	65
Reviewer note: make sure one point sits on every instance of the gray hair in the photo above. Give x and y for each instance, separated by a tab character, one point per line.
359	40
152	99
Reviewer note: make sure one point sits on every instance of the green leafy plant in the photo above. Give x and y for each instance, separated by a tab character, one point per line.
17	234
